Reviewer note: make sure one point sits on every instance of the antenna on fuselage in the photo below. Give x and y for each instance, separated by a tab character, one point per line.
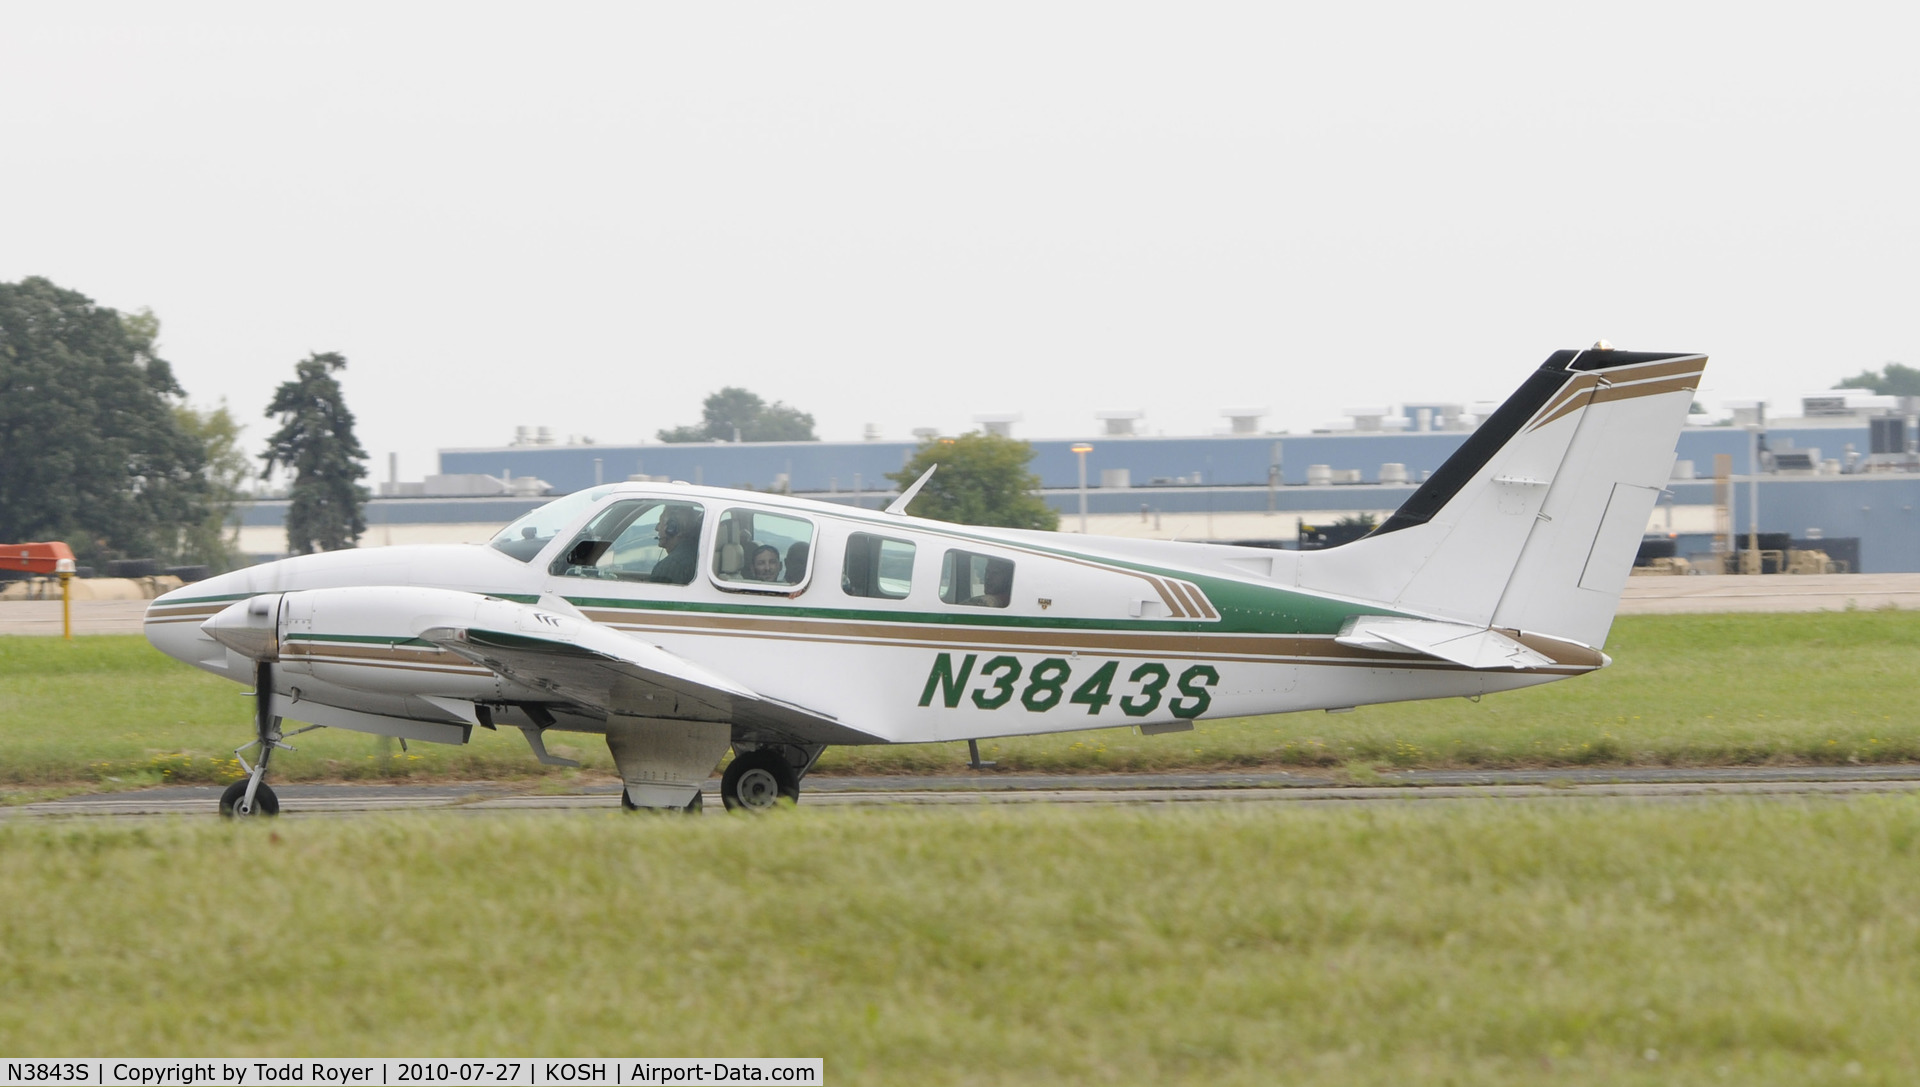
898	507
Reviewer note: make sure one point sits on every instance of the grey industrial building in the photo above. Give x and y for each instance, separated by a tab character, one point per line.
1842	475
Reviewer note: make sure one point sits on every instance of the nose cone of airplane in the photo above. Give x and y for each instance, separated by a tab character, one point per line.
249	627
173	620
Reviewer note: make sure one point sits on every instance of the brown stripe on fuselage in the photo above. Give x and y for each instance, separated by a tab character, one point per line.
194	613
1309	655
395	666
411	656
1176	607
1186	646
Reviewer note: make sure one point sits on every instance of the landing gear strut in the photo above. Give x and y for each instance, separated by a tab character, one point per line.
252	795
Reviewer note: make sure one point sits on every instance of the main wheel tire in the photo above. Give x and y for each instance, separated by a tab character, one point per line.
757	781
264	802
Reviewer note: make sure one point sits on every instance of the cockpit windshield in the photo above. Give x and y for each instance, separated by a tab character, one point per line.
528	536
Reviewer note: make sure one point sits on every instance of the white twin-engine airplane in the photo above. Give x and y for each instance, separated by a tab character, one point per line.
680	621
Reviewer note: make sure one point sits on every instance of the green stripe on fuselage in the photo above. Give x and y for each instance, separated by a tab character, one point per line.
1244	609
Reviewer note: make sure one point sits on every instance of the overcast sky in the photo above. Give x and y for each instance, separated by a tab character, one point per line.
591	216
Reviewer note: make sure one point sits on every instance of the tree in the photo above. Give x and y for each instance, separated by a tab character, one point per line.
210	540
316	443
734	414
90	450
1894	380
983	480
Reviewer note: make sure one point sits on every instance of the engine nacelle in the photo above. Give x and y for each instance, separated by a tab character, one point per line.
249	627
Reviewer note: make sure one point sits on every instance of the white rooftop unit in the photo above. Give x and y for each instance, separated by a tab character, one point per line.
999	424
1368	418
1245	420
1120	423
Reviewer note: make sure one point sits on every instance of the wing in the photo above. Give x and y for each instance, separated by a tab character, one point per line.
582	662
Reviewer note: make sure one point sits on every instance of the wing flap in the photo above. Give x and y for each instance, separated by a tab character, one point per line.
1459	643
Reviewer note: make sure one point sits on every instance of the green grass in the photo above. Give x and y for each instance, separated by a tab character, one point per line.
114	711
1485	942
1685	690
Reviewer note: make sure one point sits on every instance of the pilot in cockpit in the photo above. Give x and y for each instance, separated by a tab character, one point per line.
679	536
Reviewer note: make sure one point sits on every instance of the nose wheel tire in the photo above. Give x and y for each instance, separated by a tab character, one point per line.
758	780
264	802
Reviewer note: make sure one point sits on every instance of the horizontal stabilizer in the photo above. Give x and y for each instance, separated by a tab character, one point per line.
1468	646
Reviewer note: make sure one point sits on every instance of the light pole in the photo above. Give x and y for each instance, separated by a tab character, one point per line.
1083	449
1753	501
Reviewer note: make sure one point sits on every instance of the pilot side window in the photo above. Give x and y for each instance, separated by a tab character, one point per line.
877	567
640	540
977	581
757	549
526	538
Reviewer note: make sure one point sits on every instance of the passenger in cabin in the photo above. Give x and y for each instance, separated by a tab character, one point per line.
796	563
764	565
997	585
679	535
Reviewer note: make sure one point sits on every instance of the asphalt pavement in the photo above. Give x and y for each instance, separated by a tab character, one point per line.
1649	784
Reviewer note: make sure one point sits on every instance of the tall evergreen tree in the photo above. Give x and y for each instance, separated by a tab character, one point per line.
90	451
315	442
983	480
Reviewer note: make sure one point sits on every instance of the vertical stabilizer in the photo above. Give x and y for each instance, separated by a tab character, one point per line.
1533	523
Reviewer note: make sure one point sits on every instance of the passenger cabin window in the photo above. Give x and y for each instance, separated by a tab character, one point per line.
644	539
528	536
877	567
976	581
756	549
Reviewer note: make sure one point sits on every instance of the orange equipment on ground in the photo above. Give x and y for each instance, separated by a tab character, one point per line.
45	558
35	558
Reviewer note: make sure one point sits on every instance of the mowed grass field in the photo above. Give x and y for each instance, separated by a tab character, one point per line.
1834	687
1484	942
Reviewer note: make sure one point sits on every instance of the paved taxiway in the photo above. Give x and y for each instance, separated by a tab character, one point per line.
1651	784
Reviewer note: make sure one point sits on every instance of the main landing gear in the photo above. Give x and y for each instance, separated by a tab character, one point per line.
760	777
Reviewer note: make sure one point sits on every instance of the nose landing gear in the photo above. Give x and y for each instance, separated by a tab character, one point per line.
251	796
